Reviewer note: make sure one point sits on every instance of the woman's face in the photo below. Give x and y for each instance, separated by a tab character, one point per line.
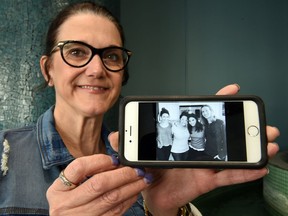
206	112
192	121
165	117
183	120
90	90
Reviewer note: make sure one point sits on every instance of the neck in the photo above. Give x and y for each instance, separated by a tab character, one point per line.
81	135
164	124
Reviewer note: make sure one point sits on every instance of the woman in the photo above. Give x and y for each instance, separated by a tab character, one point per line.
164	135
85	63
197	143
68	153
215	135
181	135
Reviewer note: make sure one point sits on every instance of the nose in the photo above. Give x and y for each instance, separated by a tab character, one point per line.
95	67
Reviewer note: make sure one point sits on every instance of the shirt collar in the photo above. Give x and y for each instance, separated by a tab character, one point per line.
52	149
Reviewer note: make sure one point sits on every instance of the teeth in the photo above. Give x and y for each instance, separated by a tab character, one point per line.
91	87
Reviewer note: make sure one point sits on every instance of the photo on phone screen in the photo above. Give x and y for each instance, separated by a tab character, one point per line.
224	131
190	131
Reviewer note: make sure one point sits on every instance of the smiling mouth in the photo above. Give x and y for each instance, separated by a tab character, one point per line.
94	88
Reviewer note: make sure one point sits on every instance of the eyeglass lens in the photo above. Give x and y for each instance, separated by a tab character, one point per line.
78	55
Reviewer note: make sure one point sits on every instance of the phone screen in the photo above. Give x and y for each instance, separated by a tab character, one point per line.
203	130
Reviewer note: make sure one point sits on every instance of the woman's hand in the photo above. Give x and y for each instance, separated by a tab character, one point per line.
99	187
173	188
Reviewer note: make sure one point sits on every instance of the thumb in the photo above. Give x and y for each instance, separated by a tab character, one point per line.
114	140
229	90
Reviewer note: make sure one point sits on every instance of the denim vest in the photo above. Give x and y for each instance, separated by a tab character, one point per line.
34	158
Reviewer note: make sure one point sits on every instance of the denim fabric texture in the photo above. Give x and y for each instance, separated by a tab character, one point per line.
36	157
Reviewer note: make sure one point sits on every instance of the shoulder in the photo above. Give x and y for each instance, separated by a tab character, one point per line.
16	135
219	121
8	140
16	132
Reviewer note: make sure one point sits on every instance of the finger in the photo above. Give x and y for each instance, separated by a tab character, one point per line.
101	193
122	198
273	148
229	90
93	189
272	133
82	168
66	181
114	140
99	184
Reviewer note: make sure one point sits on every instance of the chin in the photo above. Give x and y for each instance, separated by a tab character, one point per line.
93	111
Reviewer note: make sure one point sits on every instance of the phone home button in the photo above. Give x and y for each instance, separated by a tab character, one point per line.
253	130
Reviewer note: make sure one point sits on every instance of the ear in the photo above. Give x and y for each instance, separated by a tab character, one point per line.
45	69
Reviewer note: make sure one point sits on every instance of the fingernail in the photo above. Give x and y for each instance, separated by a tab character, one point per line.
268	171
140	172
148	178
115	159
238	86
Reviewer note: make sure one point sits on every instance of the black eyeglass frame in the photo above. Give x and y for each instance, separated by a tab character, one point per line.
94	51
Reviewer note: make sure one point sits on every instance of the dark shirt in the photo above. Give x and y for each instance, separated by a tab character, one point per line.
215	139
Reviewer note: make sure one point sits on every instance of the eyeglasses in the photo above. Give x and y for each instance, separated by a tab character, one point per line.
78	54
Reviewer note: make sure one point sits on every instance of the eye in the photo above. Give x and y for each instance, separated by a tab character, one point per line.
76	51
113	55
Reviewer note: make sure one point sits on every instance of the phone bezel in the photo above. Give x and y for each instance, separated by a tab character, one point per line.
195	164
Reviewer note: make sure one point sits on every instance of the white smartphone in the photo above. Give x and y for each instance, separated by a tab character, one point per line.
197	131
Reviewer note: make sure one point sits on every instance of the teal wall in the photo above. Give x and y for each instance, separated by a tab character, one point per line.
22	36
179	47
194	47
